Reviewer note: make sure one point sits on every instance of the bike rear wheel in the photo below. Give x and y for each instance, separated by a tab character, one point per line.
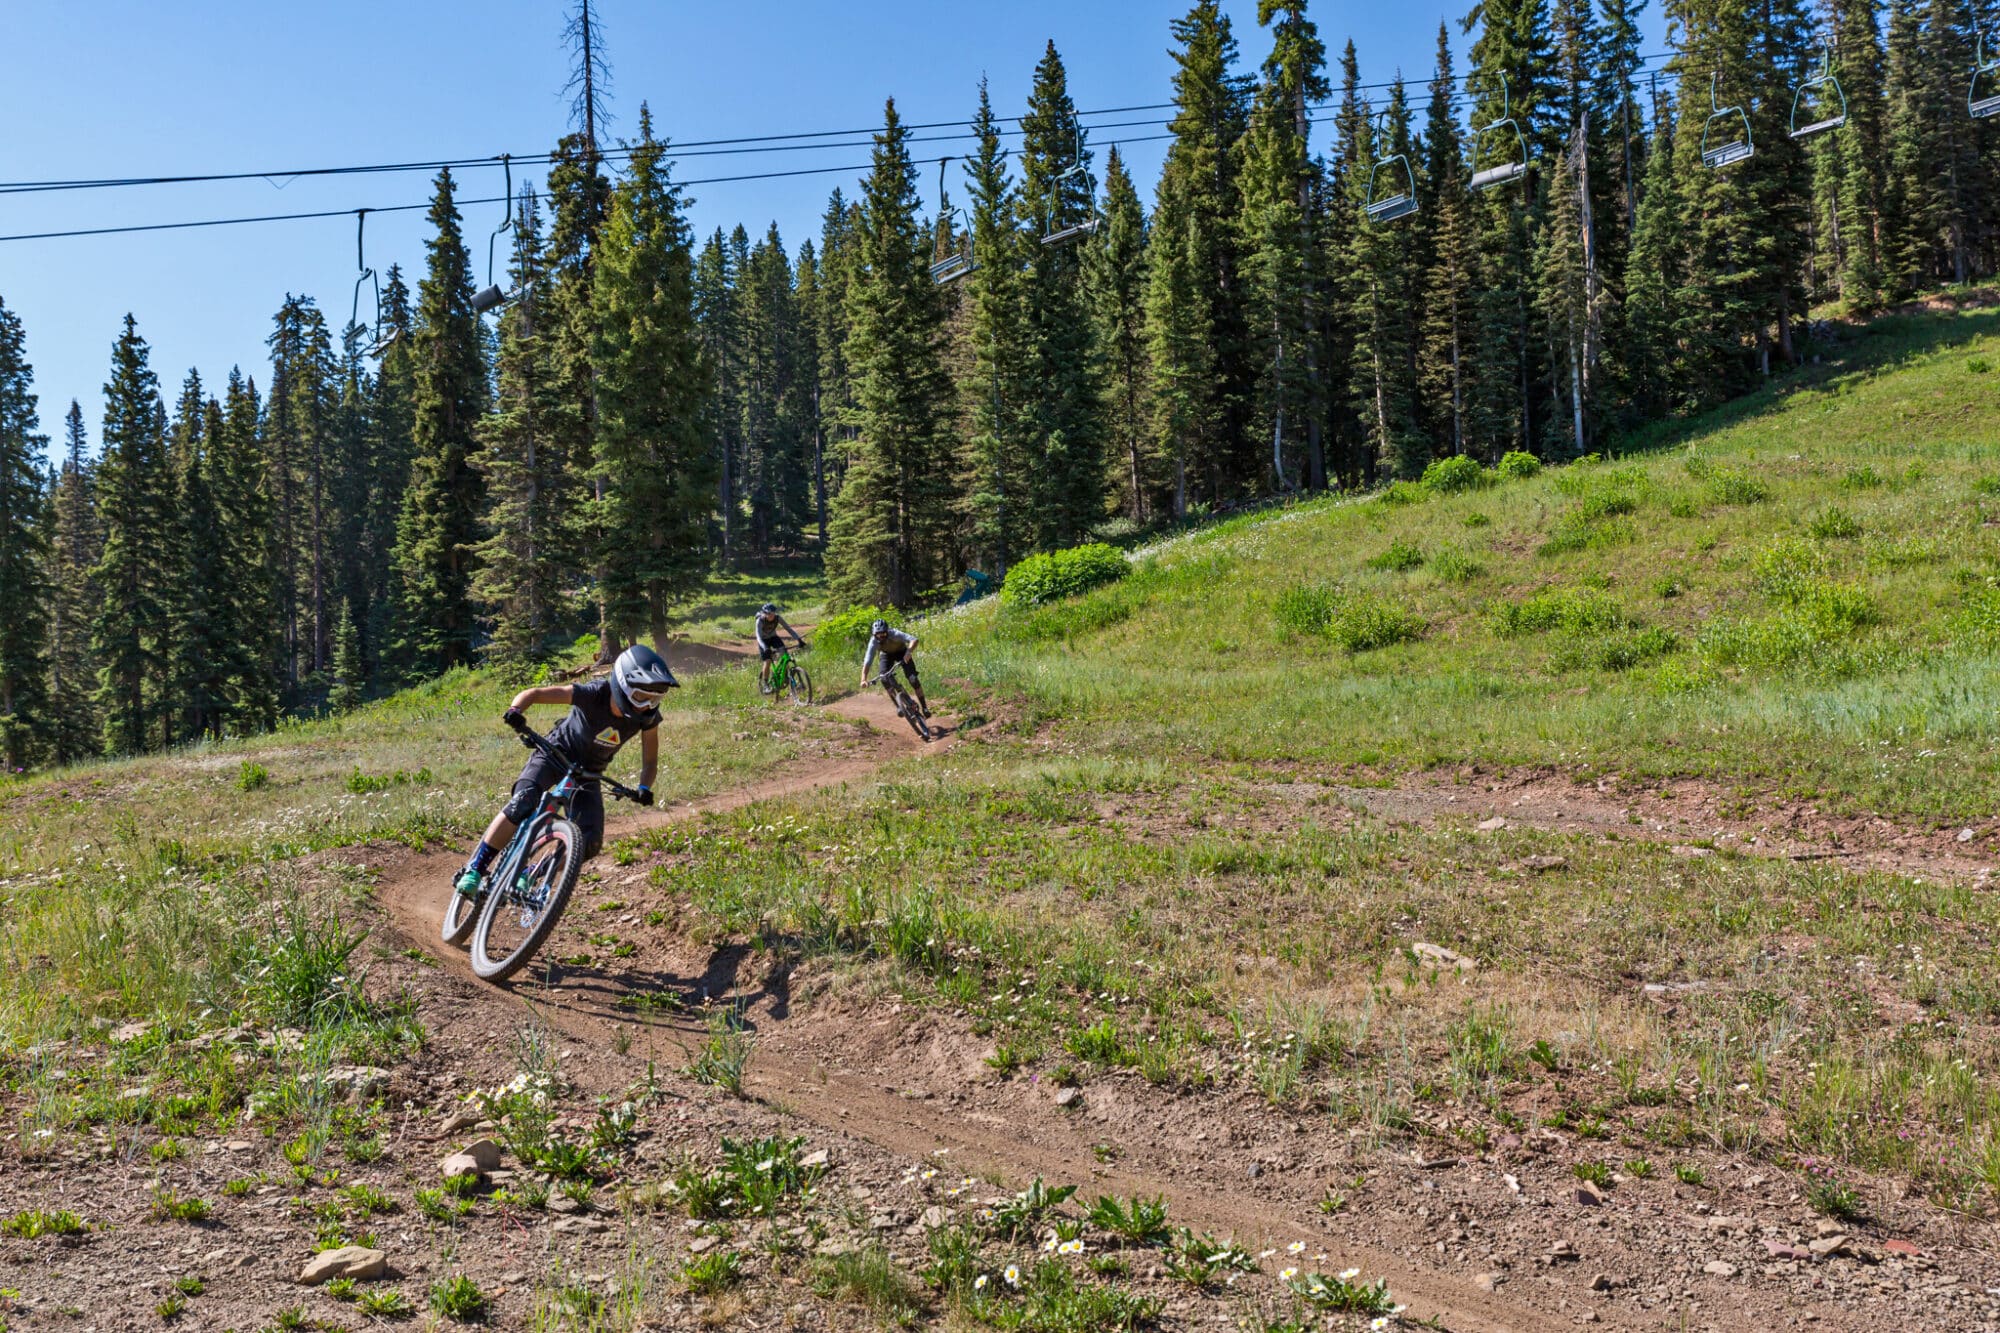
516	922
460	915
800	685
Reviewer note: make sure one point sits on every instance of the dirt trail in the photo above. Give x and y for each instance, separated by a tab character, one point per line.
894	1084
1012	1132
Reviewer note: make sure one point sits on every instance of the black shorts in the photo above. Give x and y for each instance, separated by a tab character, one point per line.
586	809
767	649
905	660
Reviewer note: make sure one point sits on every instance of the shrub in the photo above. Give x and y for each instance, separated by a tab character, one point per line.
1308	610
1863	478
460	1300
1568	610
1833	523
1518	463
1619	651
1978	365
1053	575
1449	476
1729	487
1978	620
1404	493
844	634
1356	623
252	776
1366	623
1400	557
1452	565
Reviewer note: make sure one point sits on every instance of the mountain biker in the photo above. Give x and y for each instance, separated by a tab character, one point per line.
603	715
898	650
770	626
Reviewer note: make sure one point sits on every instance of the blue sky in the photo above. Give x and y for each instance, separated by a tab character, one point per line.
113	88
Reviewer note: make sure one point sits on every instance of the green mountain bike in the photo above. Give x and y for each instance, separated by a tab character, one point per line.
783	675
522	900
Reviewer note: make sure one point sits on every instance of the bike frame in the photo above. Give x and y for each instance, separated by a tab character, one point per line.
781	671
555	802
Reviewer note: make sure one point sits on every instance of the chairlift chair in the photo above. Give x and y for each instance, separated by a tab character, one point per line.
1989	105
380	339
1822	81
1734	151
1053	235
958	263
1489	177
490	297
1399	205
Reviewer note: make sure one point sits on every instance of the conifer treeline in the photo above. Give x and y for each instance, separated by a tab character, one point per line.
432	492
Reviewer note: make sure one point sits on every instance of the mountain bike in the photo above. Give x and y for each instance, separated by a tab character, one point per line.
906	707
522	900
784	674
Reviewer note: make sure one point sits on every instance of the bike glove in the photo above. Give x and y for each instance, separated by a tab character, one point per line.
515	718
645	796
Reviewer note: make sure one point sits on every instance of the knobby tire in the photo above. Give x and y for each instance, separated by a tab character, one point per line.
551	865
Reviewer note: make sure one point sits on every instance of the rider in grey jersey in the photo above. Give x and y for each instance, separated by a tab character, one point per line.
897	649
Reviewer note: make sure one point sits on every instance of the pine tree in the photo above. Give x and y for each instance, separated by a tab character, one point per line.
135	495
1059	405
809	296
24	589
1445	347
202	614
1350	462
349	675
996	462
894	508
388	452
715	314
1658	303
75	549
1861	151
579	197
1512	66
517	580
1202	368
654	459
776	399
1383	383
247	576
1118	307
839	247
440	518
1279	245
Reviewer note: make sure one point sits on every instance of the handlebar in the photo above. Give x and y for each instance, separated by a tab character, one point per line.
534	740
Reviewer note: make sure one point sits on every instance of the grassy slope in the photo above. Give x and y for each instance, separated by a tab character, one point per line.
1188	657
1128	886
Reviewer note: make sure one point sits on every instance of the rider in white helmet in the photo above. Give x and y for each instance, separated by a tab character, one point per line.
603	715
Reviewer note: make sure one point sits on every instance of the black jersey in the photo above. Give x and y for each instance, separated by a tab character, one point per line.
592	734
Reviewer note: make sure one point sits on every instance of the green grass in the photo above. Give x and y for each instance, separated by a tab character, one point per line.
1222	644
34	1223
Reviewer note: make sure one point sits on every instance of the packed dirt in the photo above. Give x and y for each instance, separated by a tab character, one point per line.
920	1130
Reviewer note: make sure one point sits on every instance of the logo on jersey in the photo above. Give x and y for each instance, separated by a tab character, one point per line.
609	738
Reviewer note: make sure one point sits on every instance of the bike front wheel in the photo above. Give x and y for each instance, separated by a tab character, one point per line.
460	915
800	685
516	921
912	714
